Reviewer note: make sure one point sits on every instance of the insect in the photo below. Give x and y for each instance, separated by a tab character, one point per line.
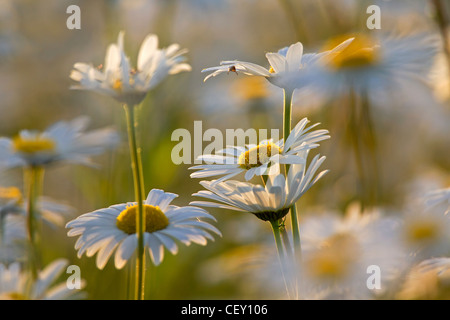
232	69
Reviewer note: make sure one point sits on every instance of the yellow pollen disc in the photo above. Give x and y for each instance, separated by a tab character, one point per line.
422	231
361	52
154	219
271	70
33	144
335	257
10	193
117	85
258	155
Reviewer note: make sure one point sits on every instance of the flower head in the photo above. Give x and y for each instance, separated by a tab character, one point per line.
114	229
338	250
264	158
61	142
375	67
285	69
270	202
17	285
124	83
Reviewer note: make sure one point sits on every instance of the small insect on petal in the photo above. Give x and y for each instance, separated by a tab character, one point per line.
232	69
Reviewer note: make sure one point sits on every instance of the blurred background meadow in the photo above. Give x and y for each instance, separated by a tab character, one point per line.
37	53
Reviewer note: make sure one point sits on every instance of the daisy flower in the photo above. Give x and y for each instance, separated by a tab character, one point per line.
338	249
262	159
376	67
439	265
285	65
114	229
61	142
13	239
270	202
16	284
439	198
50	211
425	232
428	280
122	82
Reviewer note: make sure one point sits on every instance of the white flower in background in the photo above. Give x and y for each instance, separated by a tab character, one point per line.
439	199
264	158
114	229
285	65
337	251
13	239
10	200
425	233
61	142
438	265
128	85
50	211
383	69
16	284
268	203
427	280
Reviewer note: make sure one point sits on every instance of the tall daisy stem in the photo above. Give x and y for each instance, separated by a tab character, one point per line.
281	255
287	118
34	179
136	166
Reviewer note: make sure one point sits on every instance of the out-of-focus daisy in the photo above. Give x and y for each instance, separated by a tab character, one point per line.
61	142
440	199
16	284
439	265
425	232
50	211
270	202
262	159
338	250
285	65
114	229
13	239
10	200
428	280
376	67
128	85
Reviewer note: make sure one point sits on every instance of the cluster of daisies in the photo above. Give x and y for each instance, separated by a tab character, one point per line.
104	231
324	256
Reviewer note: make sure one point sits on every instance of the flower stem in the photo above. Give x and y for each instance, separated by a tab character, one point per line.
34	179
136	166
287	118
281	254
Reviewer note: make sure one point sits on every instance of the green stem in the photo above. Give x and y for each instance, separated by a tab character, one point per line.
34	179
281	254
136	167
287	118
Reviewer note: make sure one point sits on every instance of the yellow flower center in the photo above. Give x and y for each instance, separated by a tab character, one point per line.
271	70
33	144
419	231
154	219
361	52
117	85
335	257
10	193
258	155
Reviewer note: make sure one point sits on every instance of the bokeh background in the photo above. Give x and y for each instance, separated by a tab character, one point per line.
37	53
